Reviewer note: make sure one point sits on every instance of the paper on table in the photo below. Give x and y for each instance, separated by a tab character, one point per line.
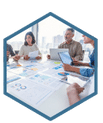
54	71
12	77
31	92
33	54
13	65
38	67
28	63
22	71
46	80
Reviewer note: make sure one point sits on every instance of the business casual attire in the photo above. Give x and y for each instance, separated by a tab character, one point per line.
10	49
75	49
86	71
26	49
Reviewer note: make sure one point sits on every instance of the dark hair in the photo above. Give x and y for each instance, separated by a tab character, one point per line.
72	30
33	38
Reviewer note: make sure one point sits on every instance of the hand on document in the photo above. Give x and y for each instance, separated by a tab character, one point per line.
38	57
48	56
26	57
33	54
16	57
76	86
73	92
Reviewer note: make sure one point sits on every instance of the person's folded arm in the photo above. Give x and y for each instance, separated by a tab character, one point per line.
70	68
86	72
84	64
78	63
83	71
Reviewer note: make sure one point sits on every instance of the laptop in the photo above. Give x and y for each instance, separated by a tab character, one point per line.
65	58
54	53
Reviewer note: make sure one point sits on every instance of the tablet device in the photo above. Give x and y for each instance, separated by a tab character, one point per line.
54	53
65	58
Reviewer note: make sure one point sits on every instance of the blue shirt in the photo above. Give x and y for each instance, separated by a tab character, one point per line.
92	58
86	71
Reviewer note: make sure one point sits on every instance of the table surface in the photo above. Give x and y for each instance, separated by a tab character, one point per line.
58	101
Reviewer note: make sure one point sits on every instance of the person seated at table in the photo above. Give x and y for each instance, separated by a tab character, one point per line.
75	48
83	71
29	46
9	51
73	92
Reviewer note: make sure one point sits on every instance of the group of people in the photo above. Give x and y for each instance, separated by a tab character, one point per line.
75	51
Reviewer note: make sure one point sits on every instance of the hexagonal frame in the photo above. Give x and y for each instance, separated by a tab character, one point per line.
72	26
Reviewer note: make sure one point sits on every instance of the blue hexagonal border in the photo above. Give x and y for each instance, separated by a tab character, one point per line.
74	27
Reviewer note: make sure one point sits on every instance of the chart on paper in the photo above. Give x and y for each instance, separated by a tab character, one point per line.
31	92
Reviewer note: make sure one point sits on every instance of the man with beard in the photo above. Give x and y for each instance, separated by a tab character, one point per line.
75	48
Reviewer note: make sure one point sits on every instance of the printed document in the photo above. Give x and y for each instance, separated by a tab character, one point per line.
33	54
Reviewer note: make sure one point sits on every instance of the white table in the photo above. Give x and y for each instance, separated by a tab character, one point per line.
58	101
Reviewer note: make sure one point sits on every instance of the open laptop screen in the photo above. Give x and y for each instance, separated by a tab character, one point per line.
65	57
54	53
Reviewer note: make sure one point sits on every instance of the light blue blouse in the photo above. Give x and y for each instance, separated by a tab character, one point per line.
86	71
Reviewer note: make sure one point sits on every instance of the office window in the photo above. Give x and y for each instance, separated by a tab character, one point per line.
17	41
51	33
